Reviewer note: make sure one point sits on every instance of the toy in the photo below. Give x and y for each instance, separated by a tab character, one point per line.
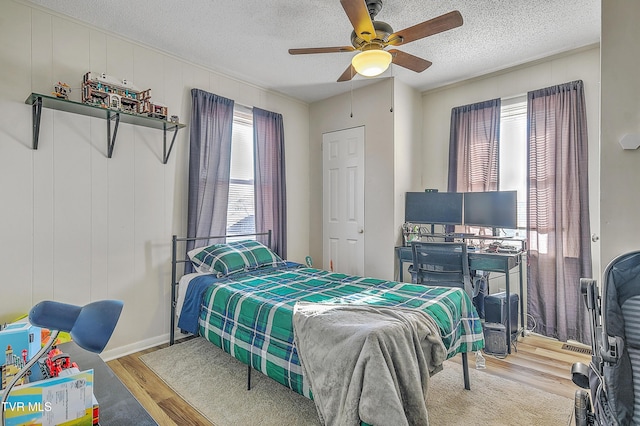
13	364
64	400
61	90
45	335
20	336
55	362
108	92
153	110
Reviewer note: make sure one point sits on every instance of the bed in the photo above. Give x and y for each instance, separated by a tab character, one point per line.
248	311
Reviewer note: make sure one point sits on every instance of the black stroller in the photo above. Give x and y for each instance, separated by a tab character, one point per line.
613	375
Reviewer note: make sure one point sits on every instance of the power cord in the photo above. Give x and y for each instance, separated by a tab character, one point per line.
514	343
570	419
532	330
499	356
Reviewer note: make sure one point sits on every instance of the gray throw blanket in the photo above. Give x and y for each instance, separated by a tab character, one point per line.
368	363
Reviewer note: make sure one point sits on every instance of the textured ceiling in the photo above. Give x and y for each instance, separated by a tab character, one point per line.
249	39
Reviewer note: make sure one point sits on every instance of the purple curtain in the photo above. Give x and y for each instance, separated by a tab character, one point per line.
473	147
270	185
558	212
209	166
474	140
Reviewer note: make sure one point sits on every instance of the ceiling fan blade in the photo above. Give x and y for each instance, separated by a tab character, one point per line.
347	74
409	61
358	14
427	28
308	50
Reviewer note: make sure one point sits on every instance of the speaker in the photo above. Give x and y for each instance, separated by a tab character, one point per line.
495	339
495	309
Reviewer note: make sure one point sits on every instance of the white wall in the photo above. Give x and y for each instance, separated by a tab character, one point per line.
620	180
579	65
77	226
371	109
390	111
408	149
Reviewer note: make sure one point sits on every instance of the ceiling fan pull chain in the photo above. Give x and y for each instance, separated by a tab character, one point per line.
392	89
351	82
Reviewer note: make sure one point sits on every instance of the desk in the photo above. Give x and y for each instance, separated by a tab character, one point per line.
117	405
484	261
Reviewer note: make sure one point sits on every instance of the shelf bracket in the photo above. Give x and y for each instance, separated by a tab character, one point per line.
164	144
113	118
111	140
35	119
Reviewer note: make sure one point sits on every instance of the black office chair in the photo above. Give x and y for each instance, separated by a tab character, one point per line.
441	264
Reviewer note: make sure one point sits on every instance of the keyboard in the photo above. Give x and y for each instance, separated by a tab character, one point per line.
459	235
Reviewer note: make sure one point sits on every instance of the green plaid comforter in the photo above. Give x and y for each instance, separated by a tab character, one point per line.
249	315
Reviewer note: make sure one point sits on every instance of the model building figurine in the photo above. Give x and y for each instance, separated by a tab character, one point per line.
61	90
108	92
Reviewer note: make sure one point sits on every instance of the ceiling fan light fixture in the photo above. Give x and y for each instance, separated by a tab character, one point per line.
371	63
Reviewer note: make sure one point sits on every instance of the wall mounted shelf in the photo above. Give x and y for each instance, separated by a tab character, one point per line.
37	101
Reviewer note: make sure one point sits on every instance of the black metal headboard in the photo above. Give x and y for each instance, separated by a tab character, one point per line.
185	259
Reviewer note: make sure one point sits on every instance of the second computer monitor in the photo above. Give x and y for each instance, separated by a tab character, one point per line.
434	207
491	209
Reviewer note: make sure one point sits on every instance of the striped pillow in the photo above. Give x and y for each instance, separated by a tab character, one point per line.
238	256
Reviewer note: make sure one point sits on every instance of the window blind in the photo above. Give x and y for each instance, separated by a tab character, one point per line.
241	208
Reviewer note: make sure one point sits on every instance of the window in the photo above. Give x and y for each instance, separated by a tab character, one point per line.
513	152
241	209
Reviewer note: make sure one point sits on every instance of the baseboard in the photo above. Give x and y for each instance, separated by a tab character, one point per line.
121	351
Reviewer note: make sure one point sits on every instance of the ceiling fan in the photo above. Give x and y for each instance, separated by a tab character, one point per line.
372	37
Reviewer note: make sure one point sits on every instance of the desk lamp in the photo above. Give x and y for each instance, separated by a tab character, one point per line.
90	328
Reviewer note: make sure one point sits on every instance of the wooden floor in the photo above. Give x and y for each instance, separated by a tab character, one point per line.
539	362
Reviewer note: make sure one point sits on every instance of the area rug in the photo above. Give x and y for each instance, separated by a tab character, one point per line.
214	383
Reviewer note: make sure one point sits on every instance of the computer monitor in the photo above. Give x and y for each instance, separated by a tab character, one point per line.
491	209
439	208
